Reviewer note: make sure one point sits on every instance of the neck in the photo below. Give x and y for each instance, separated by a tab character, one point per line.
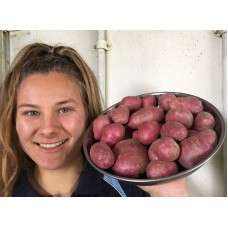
60	182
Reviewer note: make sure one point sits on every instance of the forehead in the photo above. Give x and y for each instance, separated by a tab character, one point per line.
51	76
52	85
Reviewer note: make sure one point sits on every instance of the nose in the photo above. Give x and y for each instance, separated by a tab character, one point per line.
49	125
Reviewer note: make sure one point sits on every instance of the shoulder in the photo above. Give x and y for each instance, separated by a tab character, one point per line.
23	187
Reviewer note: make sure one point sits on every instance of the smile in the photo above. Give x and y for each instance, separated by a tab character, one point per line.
51	145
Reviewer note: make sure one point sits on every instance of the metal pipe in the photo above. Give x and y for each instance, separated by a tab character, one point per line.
102	46
101	65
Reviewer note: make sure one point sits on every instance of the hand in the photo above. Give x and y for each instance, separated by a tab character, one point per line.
174	188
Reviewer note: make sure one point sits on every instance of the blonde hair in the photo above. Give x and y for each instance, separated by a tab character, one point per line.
37	58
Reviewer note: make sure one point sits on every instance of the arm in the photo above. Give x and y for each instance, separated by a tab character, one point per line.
174	188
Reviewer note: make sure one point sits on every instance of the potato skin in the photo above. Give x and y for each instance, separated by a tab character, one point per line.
197	147
102	155
119	114
181	115
158	169
147	133
204	120
134	103
99	124
131	158
191	152
112	134
146	114
174	129
165	149
149	100
208	138
167	101
193	104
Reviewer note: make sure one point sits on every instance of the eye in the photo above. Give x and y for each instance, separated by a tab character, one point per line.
32	113
64	110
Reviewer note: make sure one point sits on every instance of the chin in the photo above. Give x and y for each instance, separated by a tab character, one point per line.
50	165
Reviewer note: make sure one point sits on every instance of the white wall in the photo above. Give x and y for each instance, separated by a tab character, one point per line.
82	40
152	61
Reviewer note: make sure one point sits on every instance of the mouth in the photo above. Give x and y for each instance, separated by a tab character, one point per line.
51	145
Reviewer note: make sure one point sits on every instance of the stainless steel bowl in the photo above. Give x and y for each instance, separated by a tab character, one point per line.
219	128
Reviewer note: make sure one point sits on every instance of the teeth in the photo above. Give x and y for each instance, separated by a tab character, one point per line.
51	145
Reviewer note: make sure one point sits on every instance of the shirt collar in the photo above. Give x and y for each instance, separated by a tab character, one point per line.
90	182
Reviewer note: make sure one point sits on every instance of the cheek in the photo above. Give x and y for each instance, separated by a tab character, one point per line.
24	129
76	126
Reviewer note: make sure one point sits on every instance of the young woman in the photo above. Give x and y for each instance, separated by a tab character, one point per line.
47	101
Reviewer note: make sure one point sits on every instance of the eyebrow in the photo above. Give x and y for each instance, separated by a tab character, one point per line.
57	104
66	101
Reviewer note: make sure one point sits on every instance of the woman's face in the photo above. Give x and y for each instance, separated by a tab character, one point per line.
50	119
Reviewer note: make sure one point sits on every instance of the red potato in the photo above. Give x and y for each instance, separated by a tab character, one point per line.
134	103
99	124
204	120
138	143
147	133
131	158
181	115
102	155
165	149
196	148
208	138
119	114
149	100
168	101
158	169
112	134
175	130
193	104
146	114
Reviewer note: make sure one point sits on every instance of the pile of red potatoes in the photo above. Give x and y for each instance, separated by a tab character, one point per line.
153	136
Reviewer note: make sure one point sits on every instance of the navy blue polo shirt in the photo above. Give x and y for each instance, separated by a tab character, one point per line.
91	184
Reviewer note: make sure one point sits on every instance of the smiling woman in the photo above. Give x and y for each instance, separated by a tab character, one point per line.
52	95
52	135
51	118
48	99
